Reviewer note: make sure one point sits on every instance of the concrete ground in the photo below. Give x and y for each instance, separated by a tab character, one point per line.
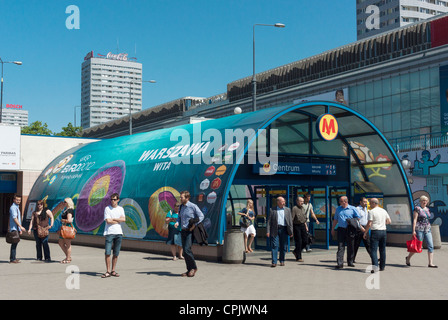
157	277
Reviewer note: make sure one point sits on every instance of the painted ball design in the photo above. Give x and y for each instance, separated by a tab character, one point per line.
57	210
135	225
160	203
95	195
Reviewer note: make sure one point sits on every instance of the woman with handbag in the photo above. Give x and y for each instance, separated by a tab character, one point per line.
421	228
247	226
67	231
40	225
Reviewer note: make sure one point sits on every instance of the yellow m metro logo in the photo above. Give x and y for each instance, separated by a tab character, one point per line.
327	127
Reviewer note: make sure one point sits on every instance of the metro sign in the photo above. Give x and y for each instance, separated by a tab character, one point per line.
14	106
327	127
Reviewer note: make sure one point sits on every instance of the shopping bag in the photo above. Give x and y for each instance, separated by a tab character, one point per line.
414	245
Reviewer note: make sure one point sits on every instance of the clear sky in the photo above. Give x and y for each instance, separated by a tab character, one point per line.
190	47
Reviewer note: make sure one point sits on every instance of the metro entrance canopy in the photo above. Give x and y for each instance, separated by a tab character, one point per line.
271	146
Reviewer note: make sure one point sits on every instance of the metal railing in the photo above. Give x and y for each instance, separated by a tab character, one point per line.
420	142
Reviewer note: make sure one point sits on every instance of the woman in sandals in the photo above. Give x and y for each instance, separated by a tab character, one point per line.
421	228
249	230
67	218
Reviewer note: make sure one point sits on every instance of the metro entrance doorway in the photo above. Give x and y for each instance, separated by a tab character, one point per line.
323	199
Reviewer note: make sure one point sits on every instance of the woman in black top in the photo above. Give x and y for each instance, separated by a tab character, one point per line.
67	218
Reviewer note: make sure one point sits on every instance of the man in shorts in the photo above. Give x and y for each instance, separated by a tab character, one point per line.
113	215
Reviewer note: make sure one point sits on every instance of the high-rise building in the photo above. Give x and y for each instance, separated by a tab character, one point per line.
15	115
377	16
109	85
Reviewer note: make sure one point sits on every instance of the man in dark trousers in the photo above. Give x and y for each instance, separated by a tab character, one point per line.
187	212
362	210
278	228
15	224
300	228
344	212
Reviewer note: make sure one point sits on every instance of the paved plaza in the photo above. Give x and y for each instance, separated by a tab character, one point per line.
157	277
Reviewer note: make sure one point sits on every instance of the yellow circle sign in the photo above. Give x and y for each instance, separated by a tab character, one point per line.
327	127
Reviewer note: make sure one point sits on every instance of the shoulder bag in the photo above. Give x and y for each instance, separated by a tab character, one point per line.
68	231
12	237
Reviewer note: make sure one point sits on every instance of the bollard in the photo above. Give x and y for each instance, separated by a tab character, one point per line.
233	250
436	239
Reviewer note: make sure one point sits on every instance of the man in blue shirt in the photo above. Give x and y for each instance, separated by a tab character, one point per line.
344	212
188	211
15	224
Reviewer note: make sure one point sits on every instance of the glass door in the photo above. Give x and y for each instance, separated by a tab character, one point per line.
266	199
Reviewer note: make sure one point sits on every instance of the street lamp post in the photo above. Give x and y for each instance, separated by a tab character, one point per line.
19	63
130	102
254	80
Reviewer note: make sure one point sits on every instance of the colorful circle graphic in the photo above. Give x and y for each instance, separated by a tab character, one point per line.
160	203
135	225
95	195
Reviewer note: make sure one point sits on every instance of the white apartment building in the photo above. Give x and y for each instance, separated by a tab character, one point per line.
394	14
15	116
109	85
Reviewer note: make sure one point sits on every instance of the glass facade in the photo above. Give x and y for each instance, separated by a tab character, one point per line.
400	105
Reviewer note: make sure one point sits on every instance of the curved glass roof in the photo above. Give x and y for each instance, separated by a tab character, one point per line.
149	170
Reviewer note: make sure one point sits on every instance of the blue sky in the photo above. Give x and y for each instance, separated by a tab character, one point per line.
190	47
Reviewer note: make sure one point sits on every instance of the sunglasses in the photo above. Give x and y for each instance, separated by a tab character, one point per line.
115	199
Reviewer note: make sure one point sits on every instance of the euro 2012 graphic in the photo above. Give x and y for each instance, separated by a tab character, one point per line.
160	203
95	195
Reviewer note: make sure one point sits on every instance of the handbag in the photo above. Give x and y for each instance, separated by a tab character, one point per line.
244	222
414	245
309	239
42	232
12	237
68	232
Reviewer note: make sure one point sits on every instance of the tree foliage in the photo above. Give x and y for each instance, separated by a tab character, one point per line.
41	129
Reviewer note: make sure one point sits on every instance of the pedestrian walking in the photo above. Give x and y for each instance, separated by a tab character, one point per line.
362	210
377	220
343	213
309	211
190	216
421	228
41	226
300	228
278	228
15	225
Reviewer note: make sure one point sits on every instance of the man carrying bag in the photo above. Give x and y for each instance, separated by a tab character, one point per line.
15	228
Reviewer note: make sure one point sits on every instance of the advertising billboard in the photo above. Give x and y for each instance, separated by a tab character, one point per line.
10	147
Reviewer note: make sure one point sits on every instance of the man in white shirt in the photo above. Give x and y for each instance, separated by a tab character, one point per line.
113	215
378	218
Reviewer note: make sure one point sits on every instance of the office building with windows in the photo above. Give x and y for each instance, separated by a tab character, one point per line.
15	116
109	85
393	14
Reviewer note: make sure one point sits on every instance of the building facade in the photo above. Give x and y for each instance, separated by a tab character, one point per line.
109	85
387	15
15	115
